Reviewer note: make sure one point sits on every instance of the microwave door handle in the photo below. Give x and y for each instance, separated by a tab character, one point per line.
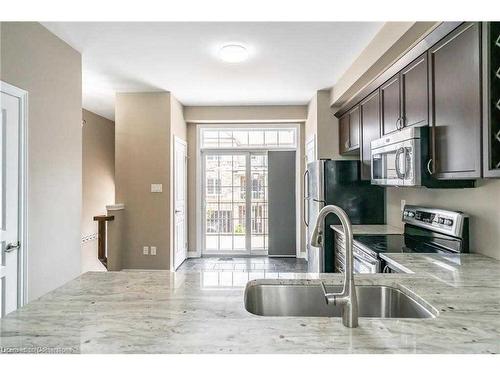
396	161
407	163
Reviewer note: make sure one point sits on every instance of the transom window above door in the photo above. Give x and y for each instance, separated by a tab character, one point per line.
248	138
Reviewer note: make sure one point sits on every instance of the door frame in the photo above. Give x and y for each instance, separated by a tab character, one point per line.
22	95
184	143
299	148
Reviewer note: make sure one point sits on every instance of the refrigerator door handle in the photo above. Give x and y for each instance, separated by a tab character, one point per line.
305	213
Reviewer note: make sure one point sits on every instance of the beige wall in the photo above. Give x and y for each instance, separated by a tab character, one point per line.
390	43
35	60
146	124
98	180
262	113
481	203
142	157
322	123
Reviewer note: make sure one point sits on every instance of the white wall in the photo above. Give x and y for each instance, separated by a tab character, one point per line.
37	61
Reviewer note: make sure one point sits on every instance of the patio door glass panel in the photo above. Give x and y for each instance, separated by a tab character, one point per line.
228	199
225	202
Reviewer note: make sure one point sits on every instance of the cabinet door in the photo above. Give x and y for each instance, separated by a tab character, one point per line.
414	93
344	134
455	102
354	128
370	130
391	105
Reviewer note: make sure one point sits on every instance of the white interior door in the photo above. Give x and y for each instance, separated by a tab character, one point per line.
9	203
180	199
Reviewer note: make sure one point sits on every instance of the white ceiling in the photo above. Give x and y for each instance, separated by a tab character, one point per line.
288	61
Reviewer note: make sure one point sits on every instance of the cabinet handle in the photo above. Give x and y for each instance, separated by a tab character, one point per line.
429	166
398	123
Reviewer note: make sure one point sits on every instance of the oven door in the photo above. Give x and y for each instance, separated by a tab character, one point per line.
364	264
397	164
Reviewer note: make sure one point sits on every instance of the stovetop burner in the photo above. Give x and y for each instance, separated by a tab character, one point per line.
395	243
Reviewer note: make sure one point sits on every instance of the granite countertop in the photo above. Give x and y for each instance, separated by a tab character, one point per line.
370	229
203	312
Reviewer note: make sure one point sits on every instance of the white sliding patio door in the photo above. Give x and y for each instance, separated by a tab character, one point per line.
234	202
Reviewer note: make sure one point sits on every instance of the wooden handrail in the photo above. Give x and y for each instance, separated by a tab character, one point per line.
101	237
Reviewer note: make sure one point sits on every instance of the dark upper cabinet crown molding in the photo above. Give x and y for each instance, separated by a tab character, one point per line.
421	47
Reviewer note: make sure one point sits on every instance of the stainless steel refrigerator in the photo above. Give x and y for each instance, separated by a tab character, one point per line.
338	182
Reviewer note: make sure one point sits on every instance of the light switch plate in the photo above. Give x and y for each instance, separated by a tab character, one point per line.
156	188
153	250
145	250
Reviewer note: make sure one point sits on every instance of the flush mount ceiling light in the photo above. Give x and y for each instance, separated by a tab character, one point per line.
233	53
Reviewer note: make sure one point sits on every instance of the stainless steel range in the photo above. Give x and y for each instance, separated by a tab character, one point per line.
426	230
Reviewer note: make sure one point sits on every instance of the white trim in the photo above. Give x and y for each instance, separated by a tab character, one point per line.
312	138
23	188
177	140
298	193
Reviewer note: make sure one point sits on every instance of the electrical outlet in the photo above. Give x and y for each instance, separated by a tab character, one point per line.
145	250
153	250
403	204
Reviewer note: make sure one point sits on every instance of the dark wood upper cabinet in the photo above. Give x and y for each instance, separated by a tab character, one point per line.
344	134
455	104
415	93
370	130
354	127
390	105
349	132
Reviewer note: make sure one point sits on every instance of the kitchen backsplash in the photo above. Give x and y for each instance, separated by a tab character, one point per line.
481	203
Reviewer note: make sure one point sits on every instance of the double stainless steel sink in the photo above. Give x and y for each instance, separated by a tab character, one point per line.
374	301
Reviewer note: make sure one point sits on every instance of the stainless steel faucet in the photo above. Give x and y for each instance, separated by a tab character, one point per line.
346	298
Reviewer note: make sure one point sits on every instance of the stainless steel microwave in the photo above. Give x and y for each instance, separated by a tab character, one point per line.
396	159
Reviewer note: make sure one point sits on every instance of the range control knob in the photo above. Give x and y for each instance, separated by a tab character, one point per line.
411	213
448	222
441	220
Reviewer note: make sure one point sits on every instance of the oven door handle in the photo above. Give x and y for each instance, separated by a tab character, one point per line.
365	259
